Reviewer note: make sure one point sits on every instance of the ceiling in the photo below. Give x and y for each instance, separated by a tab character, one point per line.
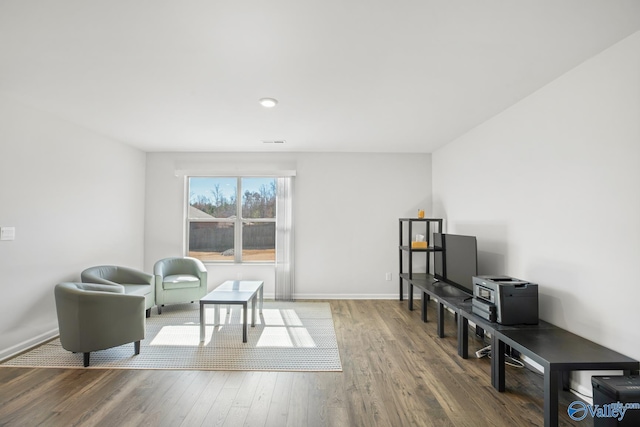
350	75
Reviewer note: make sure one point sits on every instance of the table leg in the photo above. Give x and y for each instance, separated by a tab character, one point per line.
410	296
463	337
253	311
551	386
261	296
201	322
440	320
216	314
425	299
245	326
497	363
565	380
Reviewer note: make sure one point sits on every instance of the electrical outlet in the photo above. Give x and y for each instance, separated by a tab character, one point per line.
388	276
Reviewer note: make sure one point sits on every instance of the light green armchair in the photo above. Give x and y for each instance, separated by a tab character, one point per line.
135	282
179	280
94	317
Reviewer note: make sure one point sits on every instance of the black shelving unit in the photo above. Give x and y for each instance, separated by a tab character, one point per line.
405	235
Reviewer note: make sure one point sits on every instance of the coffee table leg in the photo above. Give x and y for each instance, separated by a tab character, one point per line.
245	326
261	296
201	322
216	314
253	311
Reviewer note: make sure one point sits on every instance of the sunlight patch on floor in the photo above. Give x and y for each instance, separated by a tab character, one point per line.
283	328
178	335
285	337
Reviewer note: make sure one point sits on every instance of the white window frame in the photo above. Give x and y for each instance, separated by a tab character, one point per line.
238	222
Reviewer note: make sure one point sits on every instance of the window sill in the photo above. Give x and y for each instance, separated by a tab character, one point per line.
256	263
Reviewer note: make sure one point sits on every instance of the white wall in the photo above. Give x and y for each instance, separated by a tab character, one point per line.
76	199
551	189
346	216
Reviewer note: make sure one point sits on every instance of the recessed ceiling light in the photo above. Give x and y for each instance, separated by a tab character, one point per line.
268	102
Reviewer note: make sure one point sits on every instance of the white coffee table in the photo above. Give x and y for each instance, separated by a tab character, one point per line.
238	292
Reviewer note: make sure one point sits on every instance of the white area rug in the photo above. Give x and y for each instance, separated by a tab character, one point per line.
288	336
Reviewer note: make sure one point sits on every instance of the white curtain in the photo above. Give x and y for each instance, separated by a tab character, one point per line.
284	239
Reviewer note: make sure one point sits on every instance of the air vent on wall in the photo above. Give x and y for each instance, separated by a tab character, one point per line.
276	141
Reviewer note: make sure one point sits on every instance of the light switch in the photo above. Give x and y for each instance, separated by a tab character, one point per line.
7	233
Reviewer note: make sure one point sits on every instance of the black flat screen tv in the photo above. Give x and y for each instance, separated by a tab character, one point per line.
457	263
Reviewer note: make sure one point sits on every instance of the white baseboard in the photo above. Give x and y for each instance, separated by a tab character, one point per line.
26	345
585	393
346	296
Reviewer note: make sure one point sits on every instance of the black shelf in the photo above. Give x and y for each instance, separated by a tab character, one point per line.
427	249
405	236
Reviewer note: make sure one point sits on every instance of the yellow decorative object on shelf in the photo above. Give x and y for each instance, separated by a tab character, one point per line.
420	213
418	245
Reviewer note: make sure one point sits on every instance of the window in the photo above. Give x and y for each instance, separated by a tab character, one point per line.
232	219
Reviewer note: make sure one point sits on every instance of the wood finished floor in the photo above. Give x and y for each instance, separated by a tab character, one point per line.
396	372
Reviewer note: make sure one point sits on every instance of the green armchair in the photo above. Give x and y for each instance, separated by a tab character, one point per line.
179	280
94	317
135	282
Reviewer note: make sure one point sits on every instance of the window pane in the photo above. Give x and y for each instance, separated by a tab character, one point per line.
211	241
258	197
211	197
259	241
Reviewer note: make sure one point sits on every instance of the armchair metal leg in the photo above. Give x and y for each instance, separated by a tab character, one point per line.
147	313
86	359
136	346
159	308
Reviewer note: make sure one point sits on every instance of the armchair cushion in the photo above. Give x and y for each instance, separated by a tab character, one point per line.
179	281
